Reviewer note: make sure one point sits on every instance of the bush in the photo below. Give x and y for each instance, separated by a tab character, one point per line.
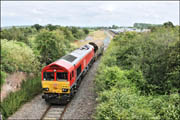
155	54
77	33
138	78
20	34
124	104
51	45
17	56
119	97
86	31
3	77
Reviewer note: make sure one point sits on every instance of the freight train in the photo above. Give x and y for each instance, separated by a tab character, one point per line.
61	79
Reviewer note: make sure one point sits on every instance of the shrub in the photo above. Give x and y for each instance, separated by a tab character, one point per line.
17	56
51	45
3	77
155	54
86	31
138	78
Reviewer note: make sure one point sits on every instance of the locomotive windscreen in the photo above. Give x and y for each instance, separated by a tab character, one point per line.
69	58
49	76
62	76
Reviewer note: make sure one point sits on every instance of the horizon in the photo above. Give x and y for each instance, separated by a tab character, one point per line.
75	26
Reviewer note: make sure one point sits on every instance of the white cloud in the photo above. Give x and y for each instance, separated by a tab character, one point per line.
88	13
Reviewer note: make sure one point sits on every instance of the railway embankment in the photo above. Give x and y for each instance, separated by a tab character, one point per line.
138	76
81	106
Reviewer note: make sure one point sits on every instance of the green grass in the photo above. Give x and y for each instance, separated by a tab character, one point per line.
3	77
29	89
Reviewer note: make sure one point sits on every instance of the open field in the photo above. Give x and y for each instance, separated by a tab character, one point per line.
93	36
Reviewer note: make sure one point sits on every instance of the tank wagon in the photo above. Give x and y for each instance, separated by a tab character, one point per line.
61	79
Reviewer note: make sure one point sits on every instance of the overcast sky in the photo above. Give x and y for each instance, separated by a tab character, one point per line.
88	13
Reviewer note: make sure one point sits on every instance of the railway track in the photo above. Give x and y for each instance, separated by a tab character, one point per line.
54	112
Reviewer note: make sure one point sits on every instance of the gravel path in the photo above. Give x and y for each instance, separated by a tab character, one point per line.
31	110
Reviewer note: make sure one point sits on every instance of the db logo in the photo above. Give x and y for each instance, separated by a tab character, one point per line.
55	85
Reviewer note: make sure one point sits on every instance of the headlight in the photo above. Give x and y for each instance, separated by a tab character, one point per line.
64	90
45	89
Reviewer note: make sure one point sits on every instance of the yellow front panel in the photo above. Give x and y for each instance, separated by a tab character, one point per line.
56	86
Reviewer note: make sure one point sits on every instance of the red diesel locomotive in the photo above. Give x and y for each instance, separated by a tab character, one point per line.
61	79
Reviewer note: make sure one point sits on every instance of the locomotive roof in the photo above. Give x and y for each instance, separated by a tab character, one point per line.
60	63
68	61
80	53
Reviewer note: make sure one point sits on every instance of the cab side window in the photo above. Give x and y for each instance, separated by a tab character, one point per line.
72	74
78	71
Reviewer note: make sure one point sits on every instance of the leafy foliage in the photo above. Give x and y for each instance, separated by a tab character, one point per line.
51	45
18	34
37	27
149	53
3	77
17	56
86	31
138	77
168	24
77	33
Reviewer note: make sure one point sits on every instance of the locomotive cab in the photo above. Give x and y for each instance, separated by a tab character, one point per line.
55	83
62	78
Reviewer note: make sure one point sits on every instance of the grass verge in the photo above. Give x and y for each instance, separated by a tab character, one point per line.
15	100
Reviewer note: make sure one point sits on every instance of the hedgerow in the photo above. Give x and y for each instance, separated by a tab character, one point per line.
138	77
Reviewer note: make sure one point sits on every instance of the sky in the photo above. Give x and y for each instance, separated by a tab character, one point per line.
88	13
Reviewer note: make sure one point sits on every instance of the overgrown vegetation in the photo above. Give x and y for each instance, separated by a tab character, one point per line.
3	77
138	77
17	56
28	49
14	100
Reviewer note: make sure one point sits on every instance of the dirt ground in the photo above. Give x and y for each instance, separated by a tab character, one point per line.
93	36
12	83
